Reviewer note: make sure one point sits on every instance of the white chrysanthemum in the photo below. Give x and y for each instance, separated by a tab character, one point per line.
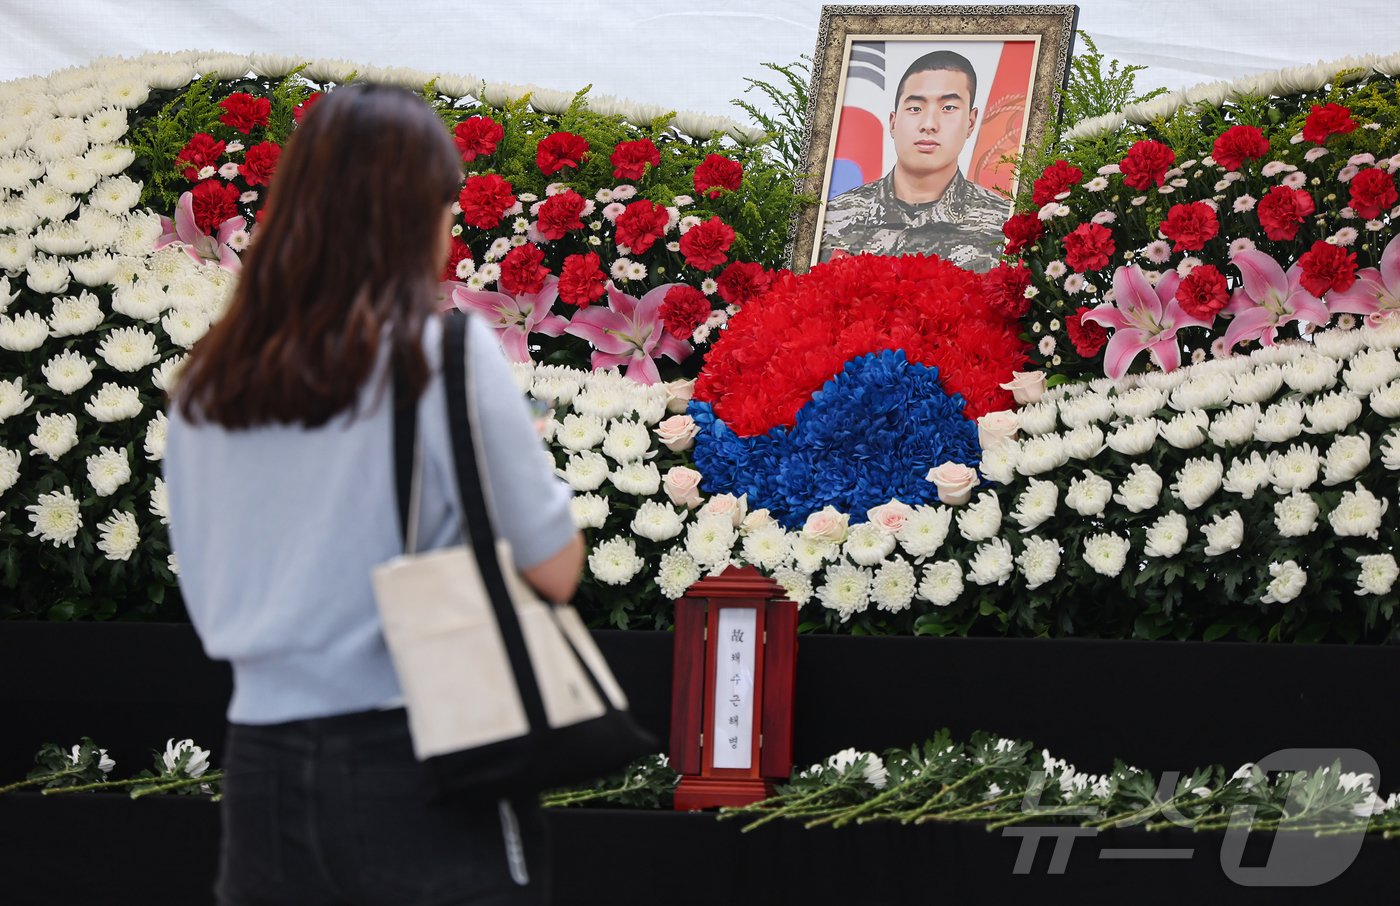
1295	469
167	375
846	590
64	239
9	468
108	470
1338	344
991	563
868	544
1141	490
892	588
1198	480
129	349
15	252
16	216
75	315
1086	409
67	372
56	518
767	547
7	295
109	160
58	138
1390	449
106	125
1287	583
589	510
114	403
1311	372
1083	443
1039	561
185	327
639	478
1378	574
1106	553
1235	426
1089	495
1347	458
580	432
942	583
677	572
73	176
98	229
13	398
17	172
1203	390
1036	504
1358	513
1041	453
55	435
1332	412
1167	536
49	201
1248	474
1139	402
627	441
585	471
116	195
14	134
925	530
657	521
23	333
809	554
980	519
1371	369
140	230
605	400
796	584
1257	385
160	502
1295	515
1281	422
999	463
710	540
615	561
46	275
1135	438
1187	431
120	536
1165	381
1385	400
1037	418
1223	534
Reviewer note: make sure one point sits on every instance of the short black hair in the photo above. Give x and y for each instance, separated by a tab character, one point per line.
940	60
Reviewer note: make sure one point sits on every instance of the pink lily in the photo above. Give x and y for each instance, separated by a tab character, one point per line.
1142	317
1376	292
514	317
182	232
1267	299
629	332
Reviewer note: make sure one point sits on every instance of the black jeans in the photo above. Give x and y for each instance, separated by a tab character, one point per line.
332	811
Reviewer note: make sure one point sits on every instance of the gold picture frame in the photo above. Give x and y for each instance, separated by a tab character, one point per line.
850	144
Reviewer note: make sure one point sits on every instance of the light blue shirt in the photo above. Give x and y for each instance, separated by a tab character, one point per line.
275	530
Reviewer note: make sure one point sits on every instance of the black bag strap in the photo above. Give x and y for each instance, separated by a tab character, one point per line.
476	516
405	450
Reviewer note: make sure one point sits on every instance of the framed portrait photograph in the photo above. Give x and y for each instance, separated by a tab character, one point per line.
913	112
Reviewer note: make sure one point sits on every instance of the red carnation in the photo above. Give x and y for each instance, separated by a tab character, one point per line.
582	280
523	270
300	111
243	111
259	163
1147	163
485	200
1238	144
641	225
630	159
1372	191
1282	211
1203	293
705	244
1327	267
684	309
214	202
199	152
1005	289
477	136
1088	337
456	254
1089	247
560	150
742	281
1325	120
717	172
1021	231
1190	226
1057	177
560	214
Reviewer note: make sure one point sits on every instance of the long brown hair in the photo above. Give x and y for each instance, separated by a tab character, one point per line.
346	248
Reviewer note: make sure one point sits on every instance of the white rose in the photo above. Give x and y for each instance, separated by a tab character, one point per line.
1223	534
1295	515
727	505
890	516
678	432
827	524
1106	553
1167	536
1140	490
996	428
1089	495
954	482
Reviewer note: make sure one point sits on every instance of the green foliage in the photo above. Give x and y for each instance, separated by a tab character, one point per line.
158	140
787	96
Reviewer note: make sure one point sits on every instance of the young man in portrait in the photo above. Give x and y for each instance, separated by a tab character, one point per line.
924	205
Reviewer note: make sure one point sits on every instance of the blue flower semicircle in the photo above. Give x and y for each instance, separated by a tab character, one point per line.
870	434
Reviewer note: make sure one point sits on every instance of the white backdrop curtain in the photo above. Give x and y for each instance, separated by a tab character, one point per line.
691	56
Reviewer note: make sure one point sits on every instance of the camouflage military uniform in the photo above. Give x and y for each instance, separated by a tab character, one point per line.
964	226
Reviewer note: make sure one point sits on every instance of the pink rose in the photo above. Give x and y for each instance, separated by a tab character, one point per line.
682	486
996	428
827	524
735	508
678	395
954	481
1026	386
890	516
758	519
678	432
